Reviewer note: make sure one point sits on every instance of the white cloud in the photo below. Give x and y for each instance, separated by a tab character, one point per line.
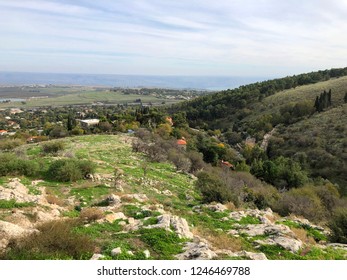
248	37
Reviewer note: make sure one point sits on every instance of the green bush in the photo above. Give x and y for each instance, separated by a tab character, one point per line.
302	201
52	147
55	240
11	165
10	144
69	170
338	226
213	188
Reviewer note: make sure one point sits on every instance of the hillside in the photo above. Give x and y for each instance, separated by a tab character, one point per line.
315	139
132	208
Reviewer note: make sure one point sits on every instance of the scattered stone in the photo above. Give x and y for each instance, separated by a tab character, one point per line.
167	193
9	230
130	253
268	229
115	216
197	251
97	257
251	255
112	200
179	224
116	251
217	207
287	243
139	197
147	254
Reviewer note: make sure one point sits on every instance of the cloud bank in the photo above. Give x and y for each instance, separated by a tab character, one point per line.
239	37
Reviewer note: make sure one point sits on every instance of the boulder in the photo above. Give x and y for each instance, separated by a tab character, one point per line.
115	216
180	225
287	243
97	257
218	207
116	251
197	251
251	255
11	230
147	254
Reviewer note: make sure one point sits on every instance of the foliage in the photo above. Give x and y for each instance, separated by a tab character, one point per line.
9	204
165	244
338	226
52	147
69	170
10	144
10	164
54	240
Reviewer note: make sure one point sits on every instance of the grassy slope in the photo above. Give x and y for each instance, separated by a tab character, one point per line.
271	104
115	151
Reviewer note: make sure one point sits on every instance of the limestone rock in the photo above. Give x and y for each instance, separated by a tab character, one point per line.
251	255
9	230
113	200
147	254
261	229
217	207
137	196
179	224
116	251
181	227
197	251
97	257
167	193
115	216
287	243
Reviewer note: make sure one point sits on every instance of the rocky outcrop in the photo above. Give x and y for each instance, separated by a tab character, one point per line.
179	225
15	190
198	250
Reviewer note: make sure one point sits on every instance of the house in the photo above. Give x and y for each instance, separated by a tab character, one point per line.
182	142
227	164
89	122
3	132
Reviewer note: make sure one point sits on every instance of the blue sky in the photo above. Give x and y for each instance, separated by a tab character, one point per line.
162	37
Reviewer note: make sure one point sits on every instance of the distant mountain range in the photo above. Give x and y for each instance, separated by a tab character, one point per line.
179	82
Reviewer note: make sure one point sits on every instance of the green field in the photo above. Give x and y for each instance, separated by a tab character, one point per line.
62	96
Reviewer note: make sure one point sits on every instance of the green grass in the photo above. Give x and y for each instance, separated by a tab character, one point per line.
90	194
165	244
9	204
96	230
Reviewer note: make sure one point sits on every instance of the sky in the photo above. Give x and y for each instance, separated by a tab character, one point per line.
173	37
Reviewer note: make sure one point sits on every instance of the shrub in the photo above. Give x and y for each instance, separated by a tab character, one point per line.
10	144
212	188
69	170
10	164
302	201
52	147
91	214
55	240
181	162
338	226
52	199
